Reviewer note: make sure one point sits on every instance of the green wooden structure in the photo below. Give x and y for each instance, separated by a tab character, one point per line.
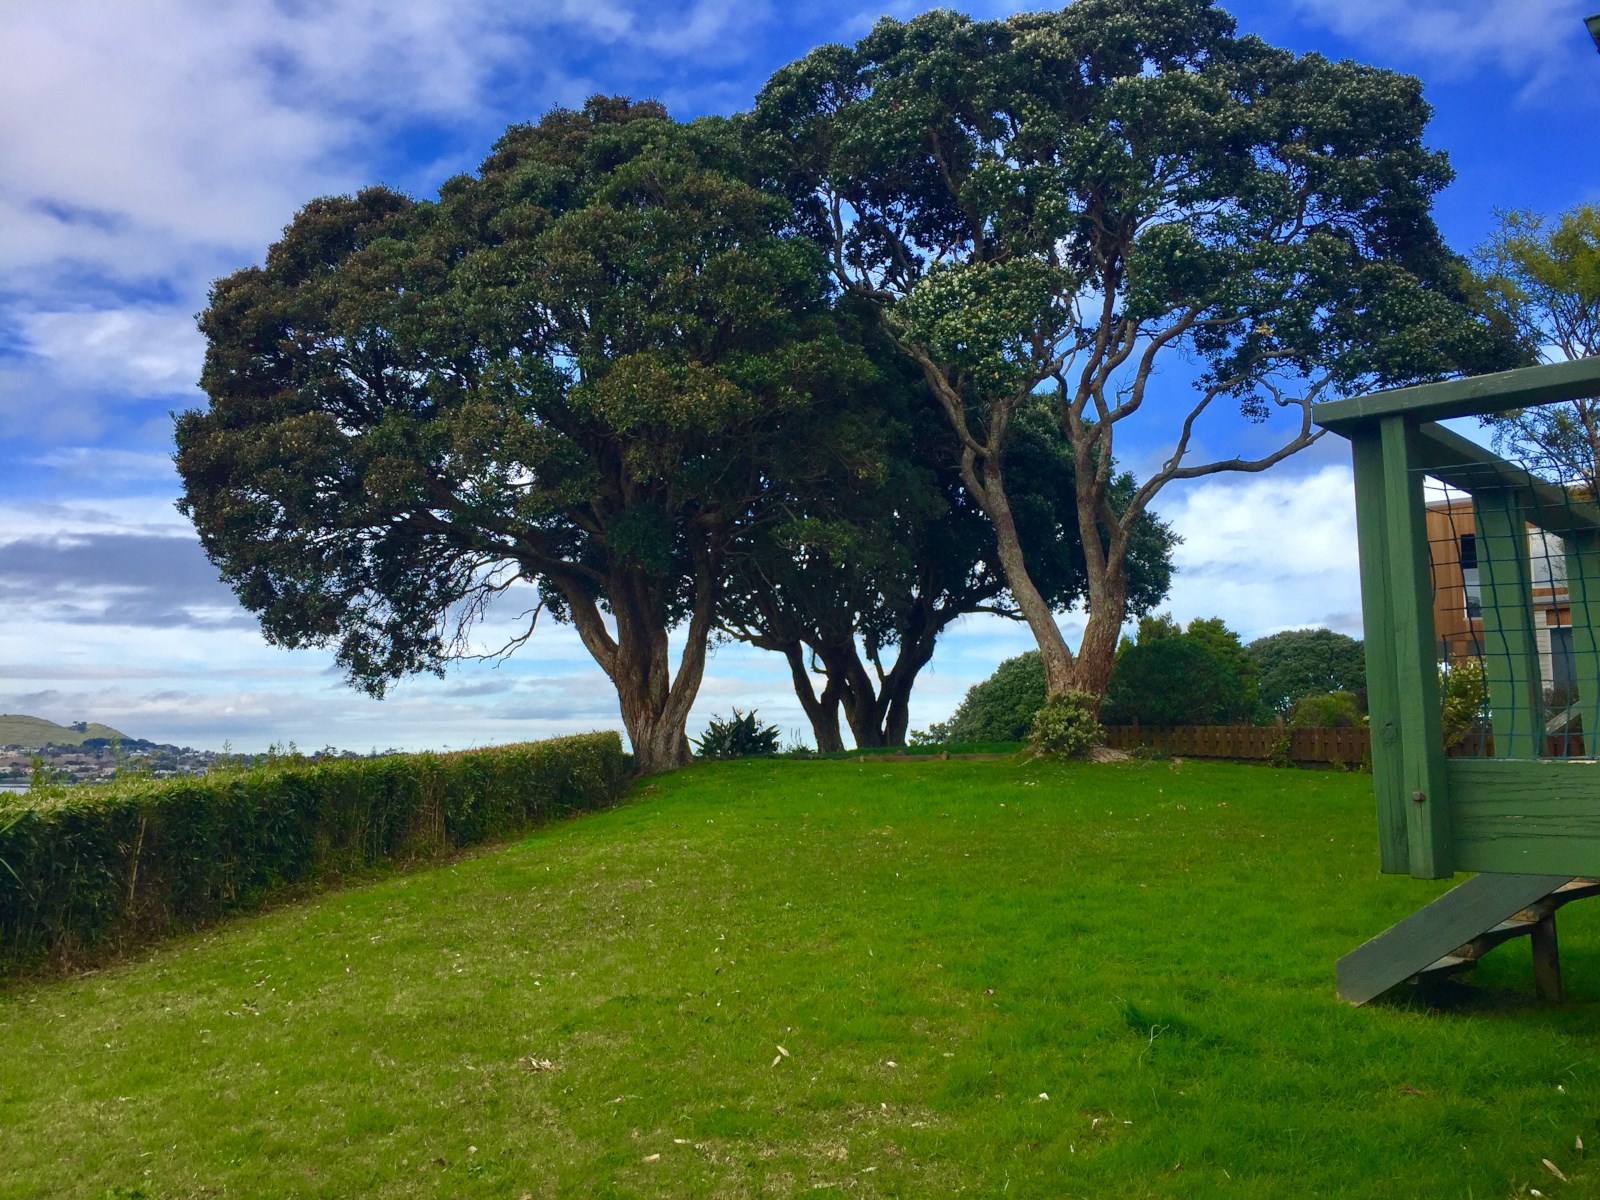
1520	812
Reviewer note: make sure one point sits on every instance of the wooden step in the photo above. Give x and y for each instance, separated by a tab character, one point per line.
1434	933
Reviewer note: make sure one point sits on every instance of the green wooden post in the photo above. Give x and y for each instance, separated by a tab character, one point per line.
1583	601
1511	653
1383	685
1416	668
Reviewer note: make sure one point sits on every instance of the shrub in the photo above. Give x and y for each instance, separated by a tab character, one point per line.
1465	698
1001	708
1172	680
1325	710
85	868
1066	726
740	736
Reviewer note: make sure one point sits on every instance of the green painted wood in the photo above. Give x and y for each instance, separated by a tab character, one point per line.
1511	653
1450	458
1427	935
1416	668
1526	816
1583	598
1383	685
1498	392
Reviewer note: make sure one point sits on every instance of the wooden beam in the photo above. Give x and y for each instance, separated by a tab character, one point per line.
1583	602
1480	394
1510	651
1416	662
1523	816
1546	959
1452	459
1383	686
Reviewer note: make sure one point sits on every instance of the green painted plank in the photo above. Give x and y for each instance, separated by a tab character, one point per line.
1498	392
1377	617
1526	816
1416	668
1452	459
1583	598
1430	933
1510	652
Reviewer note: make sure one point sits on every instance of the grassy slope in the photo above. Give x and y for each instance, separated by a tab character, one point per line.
36	731
935	945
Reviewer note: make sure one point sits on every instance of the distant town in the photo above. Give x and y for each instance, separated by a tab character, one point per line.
82	752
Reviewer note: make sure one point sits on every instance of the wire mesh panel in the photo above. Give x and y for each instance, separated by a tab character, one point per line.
1512	562
1480	593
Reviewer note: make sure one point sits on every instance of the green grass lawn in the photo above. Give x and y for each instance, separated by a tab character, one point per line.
773	978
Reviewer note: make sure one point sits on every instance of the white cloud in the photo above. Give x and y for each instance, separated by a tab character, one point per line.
1268	552
1538	41
145	351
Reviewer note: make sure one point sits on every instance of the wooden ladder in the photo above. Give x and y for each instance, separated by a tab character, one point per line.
1460	927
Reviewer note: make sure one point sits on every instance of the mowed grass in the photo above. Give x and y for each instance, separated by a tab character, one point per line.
773	978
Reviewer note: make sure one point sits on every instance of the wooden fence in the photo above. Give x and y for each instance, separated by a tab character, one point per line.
1347	747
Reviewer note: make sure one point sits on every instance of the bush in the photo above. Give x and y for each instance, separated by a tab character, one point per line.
1002	707
104	867
740	736
1172	680
1325	710
1066	726
1465	698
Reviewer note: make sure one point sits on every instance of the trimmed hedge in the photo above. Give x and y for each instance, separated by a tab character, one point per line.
101	868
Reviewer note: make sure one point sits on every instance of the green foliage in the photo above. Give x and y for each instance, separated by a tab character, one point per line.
740	736
1325	710
1224	646
1261	214
1465	698
1300	661
91	868
582	368
1544	278
1002	707
1172	676
1066	727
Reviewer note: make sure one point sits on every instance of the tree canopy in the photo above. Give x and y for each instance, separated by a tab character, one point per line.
862	576
1175	676
580	368
1056	202
1302	662
1543	276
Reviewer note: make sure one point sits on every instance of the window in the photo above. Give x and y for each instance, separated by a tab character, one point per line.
1471	590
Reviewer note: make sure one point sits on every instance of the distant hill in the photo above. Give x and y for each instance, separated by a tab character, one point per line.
36	731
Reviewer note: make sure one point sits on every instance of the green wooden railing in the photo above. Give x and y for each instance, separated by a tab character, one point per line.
1520	811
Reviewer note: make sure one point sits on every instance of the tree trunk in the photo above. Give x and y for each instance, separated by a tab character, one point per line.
655	702
660	741
822	711
1059	673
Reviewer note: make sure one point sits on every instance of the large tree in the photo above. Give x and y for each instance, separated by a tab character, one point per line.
1061	202
872	560
1544	277
1303	662
574	369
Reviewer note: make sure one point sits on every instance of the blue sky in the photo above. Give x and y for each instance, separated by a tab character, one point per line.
151	148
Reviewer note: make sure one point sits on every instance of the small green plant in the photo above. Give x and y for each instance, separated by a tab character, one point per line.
1066	726
740	736
44	779
1282	752
1325	710
1465	700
